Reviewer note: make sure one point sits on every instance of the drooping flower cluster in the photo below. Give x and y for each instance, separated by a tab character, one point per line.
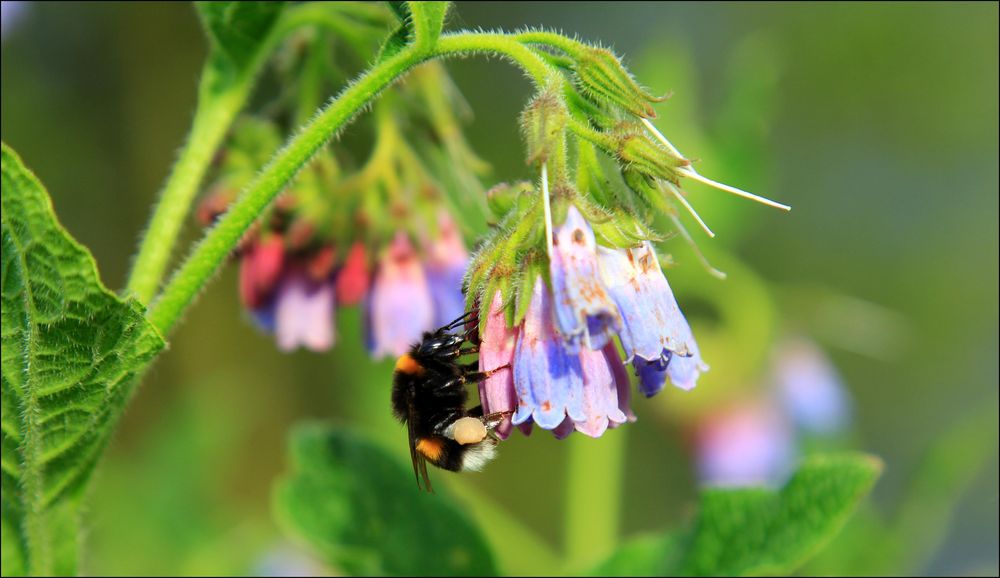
565	369
292	290
570	272
381	238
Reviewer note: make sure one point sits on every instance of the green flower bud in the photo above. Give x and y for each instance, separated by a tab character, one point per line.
637	151
602	77
543	124
503	197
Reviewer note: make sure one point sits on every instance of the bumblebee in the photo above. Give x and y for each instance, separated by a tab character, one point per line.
429	395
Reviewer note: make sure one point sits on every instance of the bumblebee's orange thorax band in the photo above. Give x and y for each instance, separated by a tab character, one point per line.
408	365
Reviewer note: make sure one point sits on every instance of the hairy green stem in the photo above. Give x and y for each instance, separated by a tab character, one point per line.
219	101
553	39
209	254
496	43
593	497
213	117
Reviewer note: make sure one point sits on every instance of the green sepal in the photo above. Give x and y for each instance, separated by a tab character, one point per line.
603	78
533	264
636	150
543	125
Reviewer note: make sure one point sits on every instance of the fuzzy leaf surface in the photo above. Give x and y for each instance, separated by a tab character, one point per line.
71	349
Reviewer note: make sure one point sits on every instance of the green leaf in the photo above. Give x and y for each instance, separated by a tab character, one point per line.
642	556
428	20
757	531
420	24
70	351
238	29
361	510
905	541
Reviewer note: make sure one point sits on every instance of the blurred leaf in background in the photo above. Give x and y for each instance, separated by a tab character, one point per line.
755	531
359	508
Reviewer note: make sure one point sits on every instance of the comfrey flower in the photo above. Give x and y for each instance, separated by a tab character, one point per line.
556	387
446	262
400	306
303	313
656	337
497	346
289	295
585	314
543	381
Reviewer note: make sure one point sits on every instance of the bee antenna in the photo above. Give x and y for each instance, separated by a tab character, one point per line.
461	319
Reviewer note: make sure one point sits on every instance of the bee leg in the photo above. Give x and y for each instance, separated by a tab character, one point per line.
492	422
496	418
477	376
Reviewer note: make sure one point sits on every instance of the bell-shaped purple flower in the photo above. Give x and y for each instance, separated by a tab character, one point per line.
400	307
600	392
496	350
446	262
585	313
303	313
548	378
655	335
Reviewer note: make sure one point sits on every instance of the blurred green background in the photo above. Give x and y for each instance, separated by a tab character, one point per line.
876	122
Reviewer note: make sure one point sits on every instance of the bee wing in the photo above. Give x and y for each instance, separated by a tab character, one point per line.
419	462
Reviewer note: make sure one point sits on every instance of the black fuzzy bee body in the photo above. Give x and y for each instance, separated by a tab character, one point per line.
429	395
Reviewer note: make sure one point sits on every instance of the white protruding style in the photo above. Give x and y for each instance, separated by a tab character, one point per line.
680	197
691	173
548	210
694	246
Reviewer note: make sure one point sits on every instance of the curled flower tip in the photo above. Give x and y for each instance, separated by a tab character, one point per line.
547	378
746	445
400	304
585	313
447	260
655	335
496	354
354	277
261	264
303	312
